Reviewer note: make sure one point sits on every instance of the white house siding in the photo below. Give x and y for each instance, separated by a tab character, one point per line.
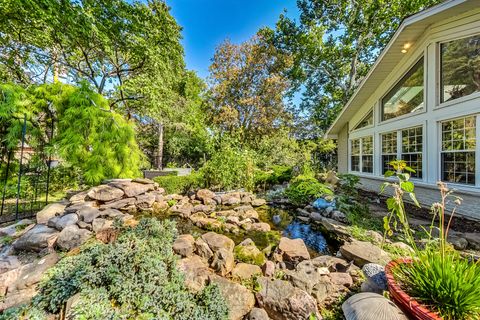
429	118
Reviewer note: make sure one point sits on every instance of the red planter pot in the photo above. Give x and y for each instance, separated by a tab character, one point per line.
408	304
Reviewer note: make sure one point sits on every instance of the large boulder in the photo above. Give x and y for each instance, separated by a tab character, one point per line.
118	204
50	211
239	299
217	241
72	236
205	194
105	193
203	250
292	251
88	214
282	301
8	263
182	209
245	271
61	222
184	245
223	261
371	306
195	271
31	274
36	239
258	314
375	278
260	226
145	201
131	188
99	224
362	252
15	229
248	252
259	202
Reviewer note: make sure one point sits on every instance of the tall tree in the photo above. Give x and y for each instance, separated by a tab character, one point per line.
247	88
129	51
334	44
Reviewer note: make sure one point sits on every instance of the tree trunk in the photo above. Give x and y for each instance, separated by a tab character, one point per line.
159	159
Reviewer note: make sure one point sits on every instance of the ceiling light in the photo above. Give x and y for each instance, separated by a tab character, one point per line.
404	51
407	45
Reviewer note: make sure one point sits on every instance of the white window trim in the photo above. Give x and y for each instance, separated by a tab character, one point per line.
460	186
438	70
363	118
425	89
361	155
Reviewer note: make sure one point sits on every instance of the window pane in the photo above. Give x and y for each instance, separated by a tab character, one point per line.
406	96
412	140
460	68
389	143
459	134
356	147
414	161
458	167
367	164
386	159
367	121
355	163
367	145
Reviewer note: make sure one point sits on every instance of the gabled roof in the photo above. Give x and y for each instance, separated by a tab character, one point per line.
410	30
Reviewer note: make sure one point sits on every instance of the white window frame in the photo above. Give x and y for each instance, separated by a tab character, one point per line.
438	67
477	153
372	110
361	155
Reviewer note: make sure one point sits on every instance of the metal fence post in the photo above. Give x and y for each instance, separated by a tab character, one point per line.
24	131
6	179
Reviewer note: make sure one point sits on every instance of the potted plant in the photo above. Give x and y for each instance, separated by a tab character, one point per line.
435	282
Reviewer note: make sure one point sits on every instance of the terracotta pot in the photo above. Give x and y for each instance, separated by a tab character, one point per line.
409	305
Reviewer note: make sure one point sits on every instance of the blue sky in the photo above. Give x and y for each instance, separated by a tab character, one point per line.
206	23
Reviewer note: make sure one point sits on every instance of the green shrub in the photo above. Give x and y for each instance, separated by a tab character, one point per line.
304	189
180	184
277	175
134	278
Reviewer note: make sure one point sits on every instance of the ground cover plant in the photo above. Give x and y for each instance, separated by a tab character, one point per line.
133	278
439	277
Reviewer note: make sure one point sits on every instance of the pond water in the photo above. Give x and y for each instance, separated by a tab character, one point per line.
282	222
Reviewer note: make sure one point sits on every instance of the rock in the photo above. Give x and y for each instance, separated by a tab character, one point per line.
70	304
375	236
239	299
402	246
31	274
13	230
77	206
118	204
18	298
132	189
184	245
459	243
204	194
108	235
64	221
332	264
339	216
258	314
282	301
305	277
371	306
302	212
248	252
111	213
303	219
84	225
78	197
143	180
217	241
259	202
105	193
231	201
233	220
50	211
336	227
203	208
268	269
473	240
244	271
332	178
223	261
315	216
36	239
72	236
183	210
375	277
362	252
202	249
88	214
196	272
341	279
292	251
145	201
324	291
329	210
100	224
8	263
260	226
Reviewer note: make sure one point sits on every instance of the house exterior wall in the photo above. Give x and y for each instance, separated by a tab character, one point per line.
429	118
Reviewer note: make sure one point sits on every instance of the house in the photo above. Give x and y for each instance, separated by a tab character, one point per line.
420	102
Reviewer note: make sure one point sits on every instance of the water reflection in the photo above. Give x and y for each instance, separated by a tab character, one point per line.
313	238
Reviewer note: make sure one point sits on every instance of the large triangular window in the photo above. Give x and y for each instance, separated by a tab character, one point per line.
366	121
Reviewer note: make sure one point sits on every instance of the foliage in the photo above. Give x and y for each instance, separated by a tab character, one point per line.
88	135
230	167
247	87
305	188
438	276
244	255
277	175
180	184
24	313
135	277
333	46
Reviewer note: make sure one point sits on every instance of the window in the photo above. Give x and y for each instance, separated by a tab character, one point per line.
367	121
362	154
412	148
460	68
458	150
389	150
407	95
